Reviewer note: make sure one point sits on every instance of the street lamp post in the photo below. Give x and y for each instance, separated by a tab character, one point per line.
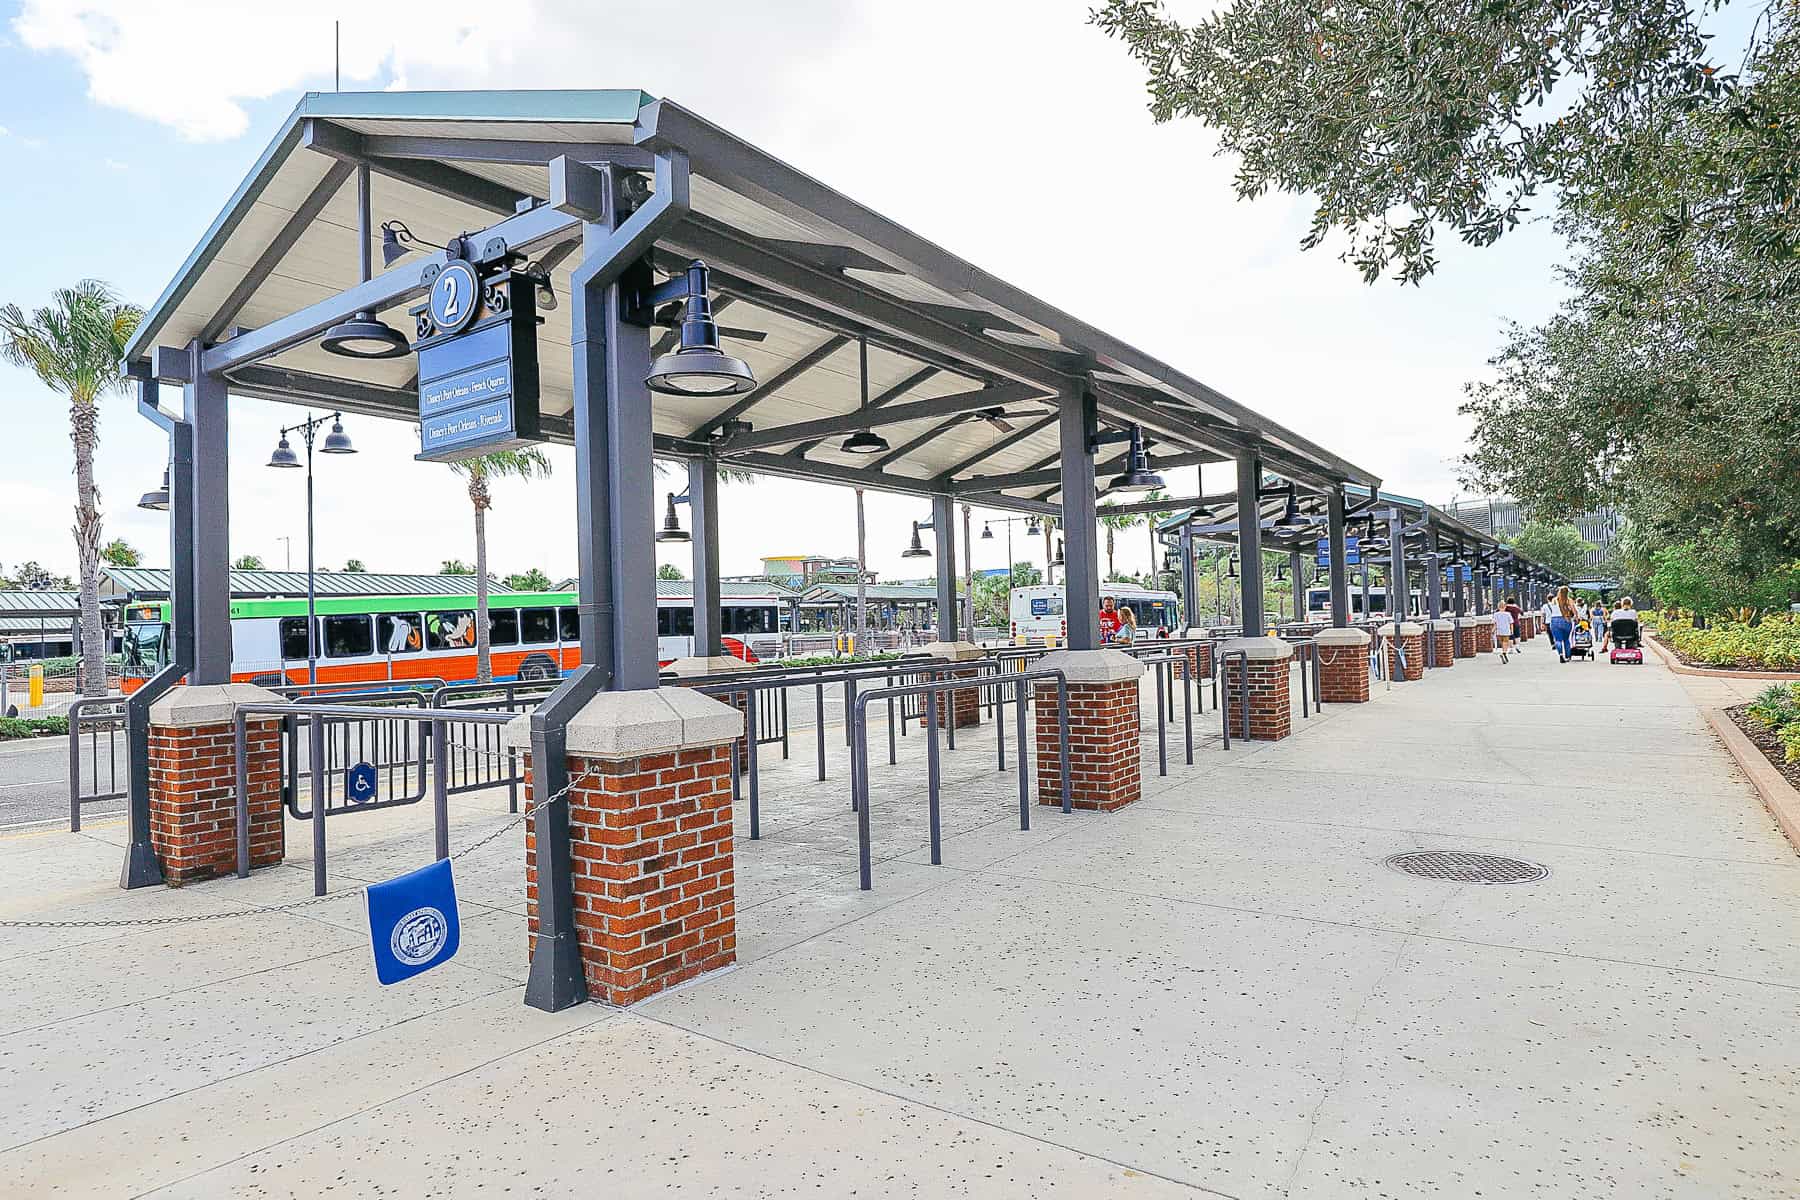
336	442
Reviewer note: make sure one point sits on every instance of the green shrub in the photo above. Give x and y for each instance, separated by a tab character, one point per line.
1790	740
1772	644
24	727
827	660
1776	705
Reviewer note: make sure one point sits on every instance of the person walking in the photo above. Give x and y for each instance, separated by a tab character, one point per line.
1518	622
1503	630
1562	622
1548	613
1109	619
1597	622
1127	625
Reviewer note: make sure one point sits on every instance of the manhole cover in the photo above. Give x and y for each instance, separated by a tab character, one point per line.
1460	867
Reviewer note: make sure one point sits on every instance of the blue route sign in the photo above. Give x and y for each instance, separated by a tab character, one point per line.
478	386
1352	551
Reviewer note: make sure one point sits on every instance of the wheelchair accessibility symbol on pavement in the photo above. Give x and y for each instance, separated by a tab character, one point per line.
359	783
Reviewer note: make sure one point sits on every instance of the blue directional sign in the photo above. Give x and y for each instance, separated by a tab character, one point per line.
412	922
478	383
1455	573
1352	551
359	783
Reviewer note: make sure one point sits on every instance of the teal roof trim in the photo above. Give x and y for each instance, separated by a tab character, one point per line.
613	106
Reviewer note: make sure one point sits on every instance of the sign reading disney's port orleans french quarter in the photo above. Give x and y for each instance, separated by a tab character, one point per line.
478	363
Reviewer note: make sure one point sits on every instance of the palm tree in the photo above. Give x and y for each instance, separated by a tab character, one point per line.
529	463
75	346
1114	521
121	553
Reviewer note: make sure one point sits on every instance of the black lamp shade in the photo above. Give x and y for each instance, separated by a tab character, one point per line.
284	455
697	367
864	441
917	549
671	530
158	499
1137	475
337	441
362	336
987	532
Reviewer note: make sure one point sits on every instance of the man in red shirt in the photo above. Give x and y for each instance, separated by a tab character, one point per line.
1518	616
1109	620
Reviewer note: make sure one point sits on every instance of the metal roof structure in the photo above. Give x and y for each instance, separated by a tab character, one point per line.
1216	520
152	583
833	593
963	368
683	589
31	603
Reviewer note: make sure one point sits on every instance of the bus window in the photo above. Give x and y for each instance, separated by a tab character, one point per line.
503	626
398	633
742	620
348	637
537	626
678	622
293	637
568	623
450	630
144	646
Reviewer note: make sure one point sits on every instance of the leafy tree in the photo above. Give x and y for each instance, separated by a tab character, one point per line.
1556	545
534	580
529	463
1403	118
74	346
249	562
354	566
31	576
455	566
670	571
121	553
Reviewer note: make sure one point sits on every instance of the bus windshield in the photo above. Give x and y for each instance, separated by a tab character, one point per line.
146	647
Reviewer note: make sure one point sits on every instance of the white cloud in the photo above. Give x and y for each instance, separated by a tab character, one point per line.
113	164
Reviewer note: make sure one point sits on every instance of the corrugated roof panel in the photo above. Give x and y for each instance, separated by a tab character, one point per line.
50	602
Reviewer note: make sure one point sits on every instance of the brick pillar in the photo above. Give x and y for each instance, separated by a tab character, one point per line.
193	782
1104	730
965	704
1411	643
1343	665
1484	635
651	840
1198	654
1443	642
1468	637
1271	710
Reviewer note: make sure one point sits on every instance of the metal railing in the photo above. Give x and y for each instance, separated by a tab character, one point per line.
95	719
432	727
933	691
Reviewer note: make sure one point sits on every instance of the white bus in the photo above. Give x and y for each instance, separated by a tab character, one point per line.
1038	611
1318	602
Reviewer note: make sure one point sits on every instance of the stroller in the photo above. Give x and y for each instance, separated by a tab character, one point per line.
1581	641
1627	643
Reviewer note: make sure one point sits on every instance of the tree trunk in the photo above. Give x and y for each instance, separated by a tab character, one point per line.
1155	572
1109	552
84	421
1049	550
478	496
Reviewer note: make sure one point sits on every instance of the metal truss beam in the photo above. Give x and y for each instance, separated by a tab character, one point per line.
893	414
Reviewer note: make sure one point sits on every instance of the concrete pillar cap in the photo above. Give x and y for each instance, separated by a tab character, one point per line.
713	664
1259	649
1482	619
958	651
1407	629
1343	637
1441	623
615	726
1091	666
207	704
1471	622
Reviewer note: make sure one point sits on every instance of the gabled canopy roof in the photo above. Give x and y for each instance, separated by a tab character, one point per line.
800	269
152	583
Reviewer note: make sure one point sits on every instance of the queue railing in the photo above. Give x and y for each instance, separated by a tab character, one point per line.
93	720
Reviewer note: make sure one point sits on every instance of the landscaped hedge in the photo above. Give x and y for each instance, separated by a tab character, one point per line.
24	727
1773	644
1777	709
831	660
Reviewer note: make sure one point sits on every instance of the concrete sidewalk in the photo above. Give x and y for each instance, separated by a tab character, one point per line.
1220	990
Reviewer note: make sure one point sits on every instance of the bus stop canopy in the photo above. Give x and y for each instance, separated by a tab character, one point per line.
963	370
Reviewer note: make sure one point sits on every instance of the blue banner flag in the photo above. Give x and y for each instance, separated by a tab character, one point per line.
412	922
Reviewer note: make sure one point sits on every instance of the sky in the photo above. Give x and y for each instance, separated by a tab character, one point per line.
1010	132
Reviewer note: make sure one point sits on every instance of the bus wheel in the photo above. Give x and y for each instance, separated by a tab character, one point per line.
537	666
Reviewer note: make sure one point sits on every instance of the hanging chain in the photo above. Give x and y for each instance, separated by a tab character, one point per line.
259	910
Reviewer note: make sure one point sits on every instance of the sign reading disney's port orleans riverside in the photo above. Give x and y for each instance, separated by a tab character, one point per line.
478	367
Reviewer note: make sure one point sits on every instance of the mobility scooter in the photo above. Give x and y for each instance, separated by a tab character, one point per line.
1627	641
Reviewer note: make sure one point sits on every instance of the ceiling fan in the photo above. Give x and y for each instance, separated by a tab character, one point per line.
997	416
669	317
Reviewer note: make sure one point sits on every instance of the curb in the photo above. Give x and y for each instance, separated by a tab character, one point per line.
1778	795
1680	668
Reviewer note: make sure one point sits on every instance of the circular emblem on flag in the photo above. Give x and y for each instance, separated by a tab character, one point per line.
419	936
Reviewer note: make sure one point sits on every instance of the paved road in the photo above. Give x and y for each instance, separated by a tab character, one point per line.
34	779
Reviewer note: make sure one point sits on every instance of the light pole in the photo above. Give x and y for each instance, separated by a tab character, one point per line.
287	552
336	442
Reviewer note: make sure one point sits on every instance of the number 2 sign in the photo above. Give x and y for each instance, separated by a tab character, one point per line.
454	296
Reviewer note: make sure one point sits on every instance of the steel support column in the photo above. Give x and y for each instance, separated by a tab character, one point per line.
1399	593
1189	580
943	530
1249	522
207	413
1434	577
703	512
1296	588
1340	576
1078	422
